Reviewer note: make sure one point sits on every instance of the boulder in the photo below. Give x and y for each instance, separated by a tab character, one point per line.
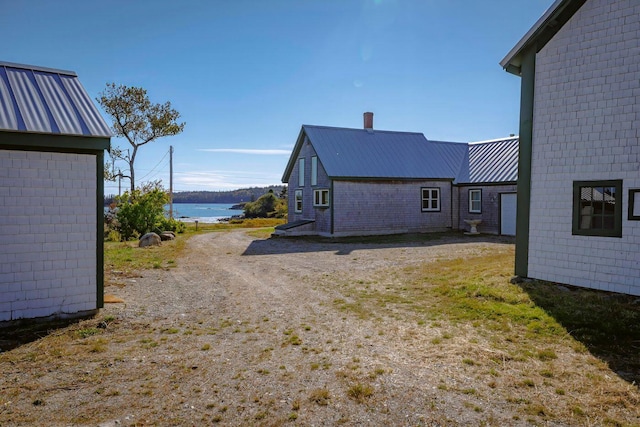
167	235
149	239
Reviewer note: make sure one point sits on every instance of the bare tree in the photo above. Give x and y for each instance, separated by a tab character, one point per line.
137	120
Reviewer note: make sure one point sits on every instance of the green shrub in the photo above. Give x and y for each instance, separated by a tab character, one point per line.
140	212
171	224
267	206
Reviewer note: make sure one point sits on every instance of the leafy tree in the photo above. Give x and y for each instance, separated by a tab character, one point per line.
140	211
267	206
137	120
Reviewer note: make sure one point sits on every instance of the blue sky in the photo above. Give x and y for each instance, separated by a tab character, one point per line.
246	74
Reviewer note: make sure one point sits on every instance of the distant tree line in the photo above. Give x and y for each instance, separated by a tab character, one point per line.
233	196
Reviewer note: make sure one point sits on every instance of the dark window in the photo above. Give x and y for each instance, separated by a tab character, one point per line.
430	199
321	198
597	208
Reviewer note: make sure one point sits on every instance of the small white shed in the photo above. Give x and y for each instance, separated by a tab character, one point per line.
52	142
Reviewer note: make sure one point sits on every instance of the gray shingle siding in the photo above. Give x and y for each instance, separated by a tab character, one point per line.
375	180
321	215
490	214
379	207
586	128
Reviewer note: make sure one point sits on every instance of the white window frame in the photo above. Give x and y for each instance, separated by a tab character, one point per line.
430	199
301	172
478	201
321	198
314	170
297	201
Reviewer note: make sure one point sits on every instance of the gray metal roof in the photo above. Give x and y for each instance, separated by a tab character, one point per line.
375	154
44	100
492	161
362	153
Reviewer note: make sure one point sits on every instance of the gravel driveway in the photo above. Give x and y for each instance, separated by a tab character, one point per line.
272	332
254	325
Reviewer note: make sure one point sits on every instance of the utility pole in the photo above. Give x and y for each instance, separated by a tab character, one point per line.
171	181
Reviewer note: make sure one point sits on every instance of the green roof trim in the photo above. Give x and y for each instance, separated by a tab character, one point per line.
542	31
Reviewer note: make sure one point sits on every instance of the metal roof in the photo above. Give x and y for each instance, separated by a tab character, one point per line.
368	153
45	100
375	154
492	161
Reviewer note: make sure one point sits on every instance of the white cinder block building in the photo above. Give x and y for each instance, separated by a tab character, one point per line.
52	140
579	178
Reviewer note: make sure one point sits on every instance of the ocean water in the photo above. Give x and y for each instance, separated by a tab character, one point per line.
202	212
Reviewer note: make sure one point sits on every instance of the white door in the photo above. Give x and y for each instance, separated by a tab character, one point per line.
508	202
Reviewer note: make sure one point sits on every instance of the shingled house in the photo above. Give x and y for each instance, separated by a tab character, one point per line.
52	140
579	180
364	181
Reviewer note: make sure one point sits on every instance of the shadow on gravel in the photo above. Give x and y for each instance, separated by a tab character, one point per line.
346	245
608	324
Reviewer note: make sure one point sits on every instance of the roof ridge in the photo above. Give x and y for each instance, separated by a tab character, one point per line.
509	138
363	129
37	68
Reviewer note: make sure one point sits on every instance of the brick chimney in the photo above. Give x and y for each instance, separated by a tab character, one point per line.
368	120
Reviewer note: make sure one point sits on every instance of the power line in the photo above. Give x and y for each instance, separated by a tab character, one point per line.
156	166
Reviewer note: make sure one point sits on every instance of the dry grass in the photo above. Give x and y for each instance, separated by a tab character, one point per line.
444	342
547	351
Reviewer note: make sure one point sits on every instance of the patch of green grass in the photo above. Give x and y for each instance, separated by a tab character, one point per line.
125	259
87	332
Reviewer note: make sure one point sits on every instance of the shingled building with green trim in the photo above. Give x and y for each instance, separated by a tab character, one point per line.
52	142
578	213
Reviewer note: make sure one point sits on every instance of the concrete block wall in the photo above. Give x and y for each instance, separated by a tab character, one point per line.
377	207
587	127
47	234
490	215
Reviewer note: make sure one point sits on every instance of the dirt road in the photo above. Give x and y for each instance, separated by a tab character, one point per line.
246	331
279	347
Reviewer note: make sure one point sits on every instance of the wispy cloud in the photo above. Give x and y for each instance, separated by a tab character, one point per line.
223	180
247	151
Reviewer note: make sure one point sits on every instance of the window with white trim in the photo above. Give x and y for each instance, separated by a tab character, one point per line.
314	170
298	201
321	198
301	172
430	199
475	201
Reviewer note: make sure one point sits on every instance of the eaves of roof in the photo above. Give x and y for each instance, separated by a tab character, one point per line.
47	101
542	31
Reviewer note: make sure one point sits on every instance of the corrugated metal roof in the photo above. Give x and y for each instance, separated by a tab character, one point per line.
44	100
375	154
492	161
362	153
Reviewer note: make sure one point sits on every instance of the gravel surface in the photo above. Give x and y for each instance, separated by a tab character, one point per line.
280	342
247	331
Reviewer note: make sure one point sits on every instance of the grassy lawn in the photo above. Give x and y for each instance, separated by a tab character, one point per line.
545	353
535	342
124	259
